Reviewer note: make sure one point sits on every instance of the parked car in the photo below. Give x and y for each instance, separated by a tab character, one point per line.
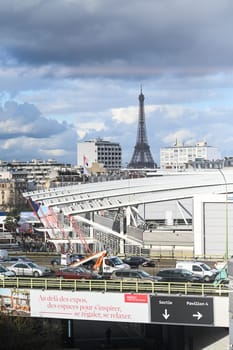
199	268
69	259
29	269
132	274
136	261
77	273
5	272
13	259
178	275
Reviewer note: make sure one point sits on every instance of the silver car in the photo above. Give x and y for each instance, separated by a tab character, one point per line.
5	272
29	269
132	274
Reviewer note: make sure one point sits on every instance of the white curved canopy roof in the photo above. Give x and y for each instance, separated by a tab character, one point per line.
89	197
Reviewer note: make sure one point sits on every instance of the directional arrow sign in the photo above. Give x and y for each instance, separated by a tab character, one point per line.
165	314
198	315
187	310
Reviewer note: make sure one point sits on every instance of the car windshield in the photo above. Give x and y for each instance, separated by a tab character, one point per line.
205	267
144	273
80	269
32	265
2	269
187	273
83	269
116	260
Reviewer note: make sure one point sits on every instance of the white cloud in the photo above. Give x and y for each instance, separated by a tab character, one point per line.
174	112
129	115
125	115
181	136
84	129
55	153
9	144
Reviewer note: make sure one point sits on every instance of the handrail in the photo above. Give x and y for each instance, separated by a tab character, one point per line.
121	286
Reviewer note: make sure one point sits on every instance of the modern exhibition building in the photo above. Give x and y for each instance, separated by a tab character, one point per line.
173	213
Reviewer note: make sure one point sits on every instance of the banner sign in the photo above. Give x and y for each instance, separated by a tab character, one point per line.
97	306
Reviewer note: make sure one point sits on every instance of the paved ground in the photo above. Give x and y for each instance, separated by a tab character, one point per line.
45	259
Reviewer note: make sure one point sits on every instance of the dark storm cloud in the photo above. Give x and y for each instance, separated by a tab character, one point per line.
154	34
25	134
84	61
17	120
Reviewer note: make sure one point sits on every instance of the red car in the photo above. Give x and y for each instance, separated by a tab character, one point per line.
77	273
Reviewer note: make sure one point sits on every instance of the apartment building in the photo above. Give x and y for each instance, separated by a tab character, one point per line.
97	151
17	177
179	155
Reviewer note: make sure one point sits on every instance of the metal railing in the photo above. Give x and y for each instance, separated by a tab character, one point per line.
121	286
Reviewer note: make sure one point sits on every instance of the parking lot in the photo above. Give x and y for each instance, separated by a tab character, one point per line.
45	259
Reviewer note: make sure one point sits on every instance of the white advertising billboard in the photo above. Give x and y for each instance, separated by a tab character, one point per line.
114	307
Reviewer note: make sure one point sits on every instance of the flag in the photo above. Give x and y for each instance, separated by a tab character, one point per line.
85	165
35	206
85	161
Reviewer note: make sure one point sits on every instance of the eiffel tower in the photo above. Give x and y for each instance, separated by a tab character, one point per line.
142	157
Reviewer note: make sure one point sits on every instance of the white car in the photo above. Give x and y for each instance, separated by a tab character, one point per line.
29	269
5	272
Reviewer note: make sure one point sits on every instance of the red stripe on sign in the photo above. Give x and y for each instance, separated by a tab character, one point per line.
136	298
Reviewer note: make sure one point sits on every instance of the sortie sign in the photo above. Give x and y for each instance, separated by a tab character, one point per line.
182	310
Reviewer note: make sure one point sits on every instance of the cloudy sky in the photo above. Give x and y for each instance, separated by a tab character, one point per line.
71	70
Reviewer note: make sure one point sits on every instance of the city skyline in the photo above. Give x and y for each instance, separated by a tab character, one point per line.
72	71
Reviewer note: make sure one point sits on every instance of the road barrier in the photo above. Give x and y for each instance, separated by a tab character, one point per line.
121	286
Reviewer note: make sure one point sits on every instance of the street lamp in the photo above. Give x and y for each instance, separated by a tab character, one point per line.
227	221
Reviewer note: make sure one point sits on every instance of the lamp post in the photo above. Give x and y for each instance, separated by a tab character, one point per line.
227	221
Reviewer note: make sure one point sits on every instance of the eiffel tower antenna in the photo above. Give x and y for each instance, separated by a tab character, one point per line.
142	157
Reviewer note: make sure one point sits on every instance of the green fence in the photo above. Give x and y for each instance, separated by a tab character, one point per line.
120	286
